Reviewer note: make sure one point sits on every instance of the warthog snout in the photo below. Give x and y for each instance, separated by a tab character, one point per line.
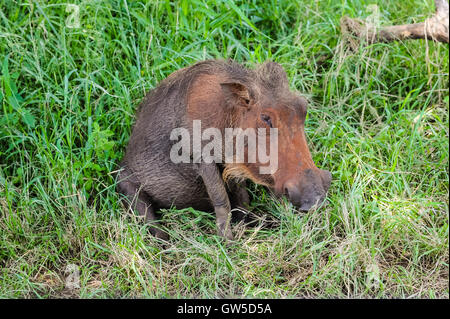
309	189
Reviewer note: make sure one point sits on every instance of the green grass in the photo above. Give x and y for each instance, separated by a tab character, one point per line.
378	120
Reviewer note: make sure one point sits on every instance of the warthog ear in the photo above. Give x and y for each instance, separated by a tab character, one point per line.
236	94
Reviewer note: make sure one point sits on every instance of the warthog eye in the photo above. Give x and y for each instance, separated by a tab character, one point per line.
266	119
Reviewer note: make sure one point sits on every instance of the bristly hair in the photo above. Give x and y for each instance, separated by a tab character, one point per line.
239	173
273	77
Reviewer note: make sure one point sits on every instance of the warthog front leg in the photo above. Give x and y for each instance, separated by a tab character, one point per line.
217	193
240	200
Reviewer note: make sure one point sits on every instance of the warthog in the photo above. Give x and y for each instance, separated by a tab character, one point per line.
222	95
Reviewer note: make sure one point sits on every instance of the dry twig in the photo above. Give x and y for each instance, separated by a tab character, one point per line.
433	28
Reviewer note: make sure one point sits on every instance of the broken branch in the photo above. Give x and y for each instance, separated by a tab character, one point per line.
434	28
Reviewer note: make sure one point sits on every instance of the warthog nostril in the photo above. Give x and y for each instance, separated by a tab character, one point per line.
292	192
309	189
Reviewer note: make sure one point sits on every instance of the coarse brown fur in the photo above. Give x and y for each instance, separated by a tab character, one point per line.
222	94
